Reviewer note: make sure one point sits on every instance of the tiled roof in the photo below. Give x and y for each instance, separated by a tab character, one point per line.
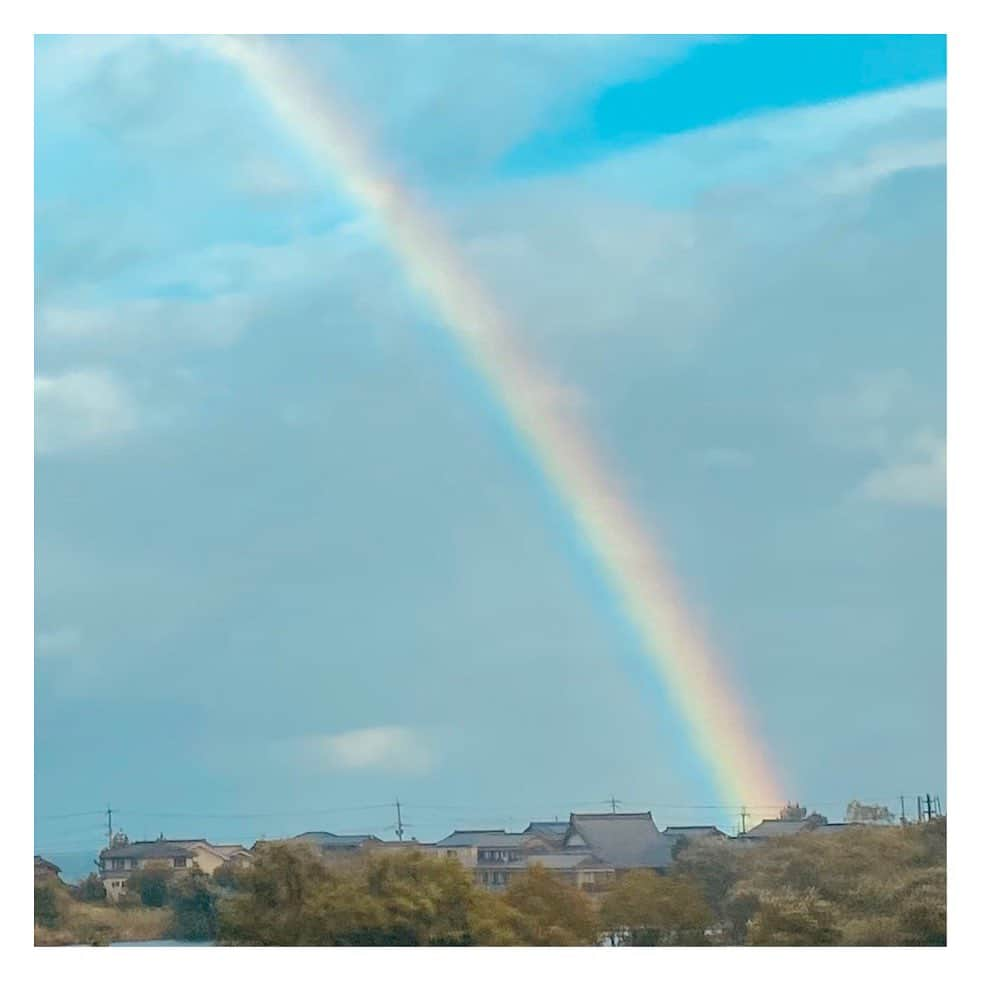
553	829
694	831
147	850
834	826
43	863
776	828
486	839
328	840
625	841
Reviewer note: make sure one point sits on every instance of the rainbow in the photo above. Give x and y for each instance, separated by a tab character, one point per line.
627	555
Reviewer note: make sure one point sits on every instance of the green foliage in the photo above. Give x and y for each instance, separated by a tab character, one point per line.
715	866
48	904
792	920
226	876
151	884
194	901
291	896
544	911
863	886
868	885
645	909
89	890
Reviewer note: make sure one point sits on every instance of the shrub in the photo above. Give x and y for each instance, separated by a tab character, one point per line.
152	884
48	905
195	907
89	890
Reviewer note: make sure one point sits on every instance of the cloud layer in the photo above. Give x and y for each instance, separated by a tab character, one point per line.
384	749
80	409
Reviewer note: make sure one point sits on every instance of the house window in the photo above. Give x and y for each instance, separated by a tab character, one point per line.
180	863
117	864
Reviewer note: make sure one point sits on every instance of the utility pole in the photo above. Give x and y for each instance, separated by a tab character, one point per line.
929	807
109	823
399	830
919	809
902	810
742	818
613	803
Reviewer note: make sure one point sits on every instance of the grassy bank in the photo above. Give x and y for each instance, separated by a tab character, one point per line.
65	921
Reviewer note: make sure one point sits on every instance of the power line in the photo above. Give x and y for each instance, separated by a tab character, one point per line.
60	817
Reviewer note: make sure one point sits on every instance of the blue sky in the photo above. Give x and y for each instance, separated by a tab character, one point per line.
289	561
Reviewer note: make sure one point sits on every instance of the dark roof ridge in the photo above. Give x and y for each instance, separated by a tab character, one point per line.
610	814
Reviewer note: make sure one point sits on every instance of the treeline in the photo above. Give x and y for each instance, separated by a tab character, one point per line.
867	886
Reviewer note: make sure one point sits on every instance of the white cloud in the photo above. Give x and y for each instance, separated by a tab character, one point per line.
884	161
503	88
882	416
394	749
811	141
81	408
917	477
873	414
216	321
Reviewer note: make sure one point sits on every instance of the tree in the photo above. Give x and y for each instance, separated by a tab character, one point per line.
226	876
279	901
715	867
194	902
151	884
89	890
49	903
791	920
857	812
647	909
551	913
291	896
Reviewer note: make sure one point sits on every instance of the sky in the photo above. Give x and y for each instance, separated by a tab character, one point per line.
291	564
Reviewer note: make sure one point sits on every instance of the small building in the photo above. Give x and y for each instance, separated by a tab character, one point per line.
45	871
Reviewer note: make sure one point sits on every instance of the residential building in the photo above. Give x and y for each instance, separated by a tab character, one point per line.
621	841
771	828
588	850
45	871
494	855
335	844
552	830
118	862
694	831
